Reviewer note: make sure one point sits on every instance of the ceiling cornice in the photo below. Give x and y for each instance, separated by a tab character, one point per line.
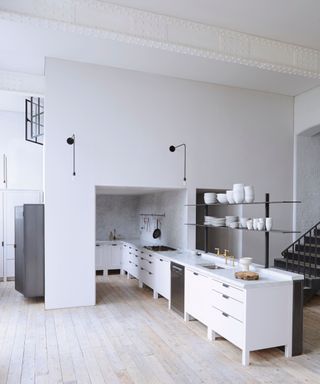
103	20
22	83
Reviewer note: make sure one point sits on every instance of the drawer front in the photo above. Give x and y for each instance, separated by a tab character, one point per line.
228	305
227	327
228	290
147	264
147	277
133	269
134	257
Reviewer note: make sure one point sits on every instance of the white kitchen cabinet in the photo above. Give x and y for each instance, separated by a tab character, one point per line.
197	296
114	256
162	277
100	257
252	319
10	199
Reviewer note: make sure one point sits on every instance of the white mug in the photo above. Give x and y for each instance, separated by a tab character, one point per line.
250	224
260	226
255	224
268	223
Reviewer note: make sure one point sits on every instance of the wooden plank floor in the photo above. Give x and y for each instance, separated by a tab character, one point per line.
131	338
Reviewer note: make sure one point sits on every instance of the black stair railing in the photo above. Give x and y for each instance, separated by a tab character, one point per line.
301	249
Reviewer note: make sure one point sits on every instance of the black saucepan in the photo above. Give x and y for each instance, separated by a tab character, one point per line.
157	232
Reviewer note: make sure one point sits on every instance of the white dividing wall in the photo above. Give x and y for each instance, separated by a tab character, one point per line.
24	159
307	111
124	122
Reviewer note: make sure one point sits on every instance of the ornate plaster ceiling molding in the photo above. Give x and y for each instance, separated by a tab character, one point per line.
103	20
22	83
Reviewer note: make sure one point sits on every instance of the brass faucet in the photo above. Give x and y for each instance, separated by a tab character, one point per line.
232	257
226	255
217	251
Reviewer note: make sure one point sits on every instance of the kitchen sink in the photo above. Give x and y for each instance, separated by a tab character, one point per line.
211	266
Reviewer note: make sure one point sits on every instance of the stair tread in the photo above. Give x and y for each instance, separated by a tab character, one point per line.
305	254
296	262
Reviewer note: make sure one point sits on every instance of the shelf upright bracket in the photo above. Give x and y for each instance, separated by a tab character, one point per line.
267	213
206	210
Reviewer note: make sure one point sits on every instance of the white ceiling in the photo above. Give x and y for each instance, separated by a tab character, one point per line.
292	21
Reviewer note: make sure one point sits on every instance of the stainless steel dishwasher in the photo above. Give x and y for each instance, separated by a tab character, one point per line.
177	288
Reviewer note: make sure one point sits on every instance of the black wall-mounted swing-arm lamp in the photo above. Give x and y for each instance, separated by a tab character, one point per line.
72	141
172	148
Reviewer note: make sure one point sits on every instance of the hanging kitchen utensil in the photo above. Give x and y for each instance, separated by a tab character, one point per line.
156	233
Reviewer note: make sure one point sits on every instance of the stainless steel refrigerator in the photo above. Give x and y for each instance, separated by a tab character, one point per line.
29	250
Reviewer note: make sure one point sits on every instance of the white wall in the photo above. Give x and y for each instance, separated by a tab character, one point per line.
24	159
307	111
124	122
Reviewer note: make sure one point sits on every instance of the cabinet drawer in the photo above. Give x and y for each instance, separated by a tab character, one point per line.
228	305
133	269
147	277
228	290
134	257
147	264
227	327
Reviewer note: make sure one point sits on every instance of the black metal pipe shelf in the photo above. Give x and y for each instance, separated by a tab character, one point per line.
254	203
284	231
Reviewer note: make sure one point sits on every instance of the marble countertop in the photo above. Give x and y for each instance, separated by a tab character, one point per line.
189	259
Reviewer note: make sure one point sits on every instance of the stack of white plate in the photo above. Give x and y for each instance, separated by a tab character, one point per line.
215	221
231	219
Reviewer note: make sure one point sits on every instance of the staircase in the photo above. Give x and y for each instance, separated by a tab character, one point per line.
303	256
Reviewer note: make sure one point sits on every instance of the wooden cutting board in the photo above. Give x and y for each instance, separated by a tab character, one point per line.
247	275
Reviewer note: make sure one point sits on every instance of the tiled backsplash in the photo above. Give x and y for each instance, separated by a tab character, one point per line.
117	212
122	212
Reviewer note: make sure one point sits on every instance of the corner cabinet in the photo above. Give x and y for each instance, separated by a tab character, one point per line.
108	256
9	199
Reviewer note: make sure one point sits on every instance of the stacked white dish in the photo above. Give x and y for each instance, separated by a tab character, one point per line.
231	219
210	198
249	194
215	221
222	198
238	193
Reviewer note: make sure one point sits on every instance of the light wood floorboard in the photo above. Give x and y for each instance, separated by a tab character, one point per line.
130	338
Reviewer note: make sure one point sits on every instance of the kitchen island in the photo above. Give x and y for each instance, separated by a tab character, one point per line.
252	315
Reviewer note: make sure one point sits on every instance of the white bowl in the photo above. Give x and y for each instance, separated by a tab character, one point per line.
222	198
210	198
230	197
234	225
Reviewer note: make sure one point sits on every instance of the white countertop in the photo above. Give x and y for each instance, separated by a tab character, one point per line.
189	259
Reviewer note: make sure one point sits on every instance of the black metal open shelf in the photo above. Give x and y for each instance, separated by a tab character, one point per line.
254	203
285	231
266	204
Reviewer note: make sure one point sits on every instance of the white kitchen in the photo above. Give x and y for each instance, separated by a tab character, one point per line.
179	234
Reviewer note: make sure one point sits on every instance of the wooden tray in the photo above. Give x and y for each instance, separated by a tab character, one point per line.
247	275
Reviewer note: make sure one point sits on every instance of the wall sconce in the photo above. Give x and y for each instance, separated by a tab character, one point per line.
72	141
172	148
